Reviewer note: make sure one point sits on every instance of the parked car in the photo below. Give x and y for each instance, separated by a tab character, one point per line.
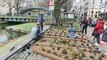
93	22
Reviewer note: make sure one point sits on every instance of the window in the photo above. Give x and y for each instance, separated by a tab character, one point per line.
92	12
93	1
89	12
101	1
96	16
98	11
91	15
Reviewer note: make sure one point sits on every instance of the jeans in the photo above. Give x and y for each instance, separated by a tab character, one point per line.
84	28
41	26
97	38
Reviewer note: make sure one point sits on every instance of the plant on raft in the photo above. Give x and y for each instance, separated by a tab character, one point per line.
81	53
95	58
73	54
58	41
43	49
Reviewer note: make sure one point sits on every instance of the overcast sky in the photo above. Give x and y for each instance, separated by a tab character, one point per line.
77	0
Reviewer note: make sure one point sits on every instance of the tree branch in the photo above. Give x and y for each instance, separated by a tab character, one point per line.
62	2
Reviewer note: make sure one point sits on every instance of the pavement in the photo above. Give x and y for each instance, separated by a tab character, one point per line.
20	42
89	30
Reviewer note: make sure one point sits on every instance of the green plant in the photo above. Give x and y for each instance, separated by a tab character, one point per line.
73	54
57	8
95	57
43	49
50	45
80	53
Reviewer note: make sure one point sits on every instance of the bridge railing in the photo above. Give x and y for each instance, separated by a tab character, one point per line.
17	19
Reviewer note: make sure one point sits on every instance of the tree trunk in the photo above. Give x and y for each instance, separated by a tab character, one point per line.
10	11
57	9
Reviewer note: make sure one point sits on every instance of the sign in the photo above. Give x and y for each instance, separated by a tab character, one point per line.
51	7
51	4
71	16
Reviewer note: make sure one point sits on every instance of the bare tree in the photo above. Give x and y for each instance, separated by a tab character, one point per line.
44	3
17	5
9	4
68	5
13	3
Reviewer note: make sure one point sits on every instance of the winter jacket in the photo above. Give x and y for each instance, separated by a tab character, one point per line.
99	26
84	23
71	32
41	18
35	32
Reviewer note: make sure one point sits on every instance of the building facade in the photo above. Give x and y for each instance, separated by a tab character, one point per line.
89	8
104	6
104	10
94	8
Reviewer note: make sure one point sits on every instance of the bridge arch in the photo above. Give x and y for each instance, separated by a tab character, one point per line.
35	9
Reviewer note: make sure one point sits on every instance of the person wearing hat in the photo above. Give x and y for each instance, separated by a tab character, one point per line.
35	31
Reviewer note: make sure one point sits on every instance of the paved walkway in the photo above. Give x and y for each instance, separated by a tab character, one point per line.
20	42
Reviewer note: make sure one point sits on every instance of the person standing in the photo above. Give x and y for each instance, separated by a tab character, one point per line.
41	20
57	20
84	25
99	27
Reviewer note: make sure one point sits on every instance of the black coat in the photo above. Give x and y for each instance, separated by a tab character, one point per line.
84	23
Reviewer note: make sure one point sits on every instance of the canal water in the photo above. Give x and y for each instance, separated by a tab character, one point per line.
8	35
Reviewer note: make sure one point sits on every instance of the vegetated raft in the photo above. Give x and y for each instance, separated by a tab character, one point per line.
56	46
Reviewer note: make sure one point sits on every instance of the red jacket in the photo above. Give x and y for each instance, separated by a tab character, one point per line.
99	26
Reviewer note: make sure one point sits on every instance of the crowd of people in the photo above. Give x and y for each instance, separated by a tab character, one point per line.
99	31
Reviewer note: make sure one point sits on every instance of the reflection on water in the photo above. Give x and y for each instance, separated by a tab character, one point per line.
8	35
4	36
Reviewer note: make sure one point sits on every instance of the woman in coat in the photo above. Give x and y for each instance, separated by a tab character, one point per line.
99	27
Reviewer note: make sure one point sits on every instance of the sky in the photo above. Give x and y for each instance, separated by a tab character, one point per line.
77	0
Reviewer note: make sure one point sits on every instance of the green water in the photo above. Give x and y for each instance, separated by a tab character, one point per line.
8	35
3	25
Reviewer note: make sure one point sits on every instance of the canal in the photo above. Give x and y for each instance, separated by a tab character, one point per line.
8	35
